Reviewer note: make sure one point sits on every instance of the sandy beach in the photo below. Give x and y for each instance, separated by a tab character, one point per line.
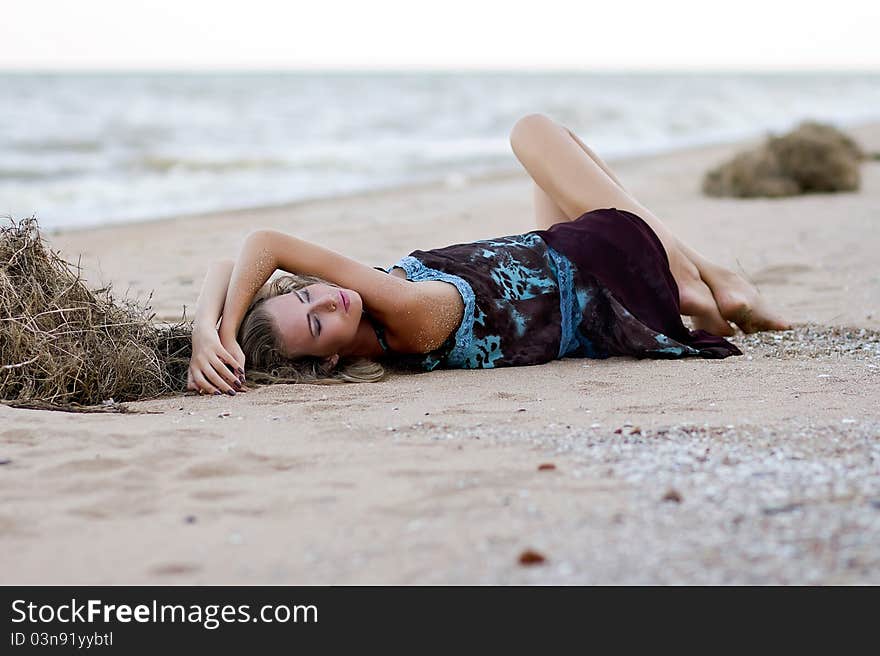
758	469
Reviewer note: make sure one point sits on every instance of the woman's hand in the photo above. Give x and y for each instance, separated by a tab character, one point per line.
233	349
212	364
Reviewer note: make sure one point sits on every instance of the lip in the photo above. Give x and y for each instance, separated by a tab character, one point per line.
345	301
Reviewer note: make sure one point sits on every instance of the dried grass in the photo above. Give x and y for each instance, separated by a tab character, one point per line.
66	347
815	157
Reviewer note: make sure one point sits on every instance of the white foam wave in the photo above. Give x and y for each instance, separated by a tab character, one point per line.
85	149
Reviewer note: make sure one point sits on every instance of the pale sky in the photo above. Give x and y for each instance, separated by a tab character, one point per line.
440	34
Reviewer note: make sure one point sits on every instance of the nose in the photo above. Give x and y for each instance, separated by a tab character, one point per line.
326	302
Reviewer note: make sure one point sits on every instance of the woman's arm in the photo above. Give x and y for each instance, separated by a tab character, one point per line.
208	370
264	251
209	306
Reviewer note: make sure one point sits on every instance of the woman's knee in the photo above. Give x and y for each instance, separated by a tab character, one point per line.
529	130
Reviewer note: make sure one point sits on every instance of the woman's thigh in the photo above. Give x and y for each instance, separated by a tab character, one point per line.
547	213
569	181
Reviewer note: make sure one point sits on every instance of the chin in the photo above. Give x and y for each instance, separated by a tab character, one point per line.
357	303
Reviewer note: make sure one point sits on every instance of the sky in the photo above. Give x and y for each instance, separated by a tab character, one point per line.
761	35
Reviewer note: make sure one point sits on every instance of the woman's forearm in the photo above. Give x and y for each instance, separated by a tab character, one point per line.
209	307
255	264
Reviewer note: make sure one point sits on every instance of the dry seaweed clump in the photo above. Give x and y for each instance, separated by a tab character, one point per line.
64	346
814	157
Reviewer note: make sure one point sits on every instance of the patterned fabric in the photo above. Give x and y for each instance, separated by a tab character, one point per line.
617	251
511	301
527	303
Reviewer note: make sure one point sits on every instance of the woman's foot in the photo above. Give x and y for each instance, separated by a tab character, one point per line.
740	301
696	299
736	299
705	315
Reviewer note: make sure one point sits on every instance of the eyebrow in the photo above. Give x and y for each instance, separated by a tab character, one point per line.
308	320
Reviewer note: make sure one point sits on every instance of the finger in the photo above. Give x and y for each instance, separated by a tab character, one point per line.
229	372
203	385
217	380
226	373
231	361
239	361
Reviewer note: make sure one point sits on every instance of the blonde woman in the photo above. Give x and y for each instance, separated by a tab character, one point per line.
600	276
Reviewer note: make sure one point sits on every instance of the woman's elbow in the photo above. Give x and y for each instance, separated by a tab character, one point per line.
260	240
261	235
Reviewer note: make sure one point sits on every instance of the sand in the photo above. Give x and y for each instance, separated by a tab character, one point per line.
758	469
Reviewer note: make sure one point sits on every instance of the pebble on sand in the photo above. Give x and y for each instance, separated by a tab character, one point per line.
531	557
673	495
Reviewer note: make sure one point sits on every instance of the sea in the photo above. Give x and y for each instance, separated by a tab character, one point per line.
86	149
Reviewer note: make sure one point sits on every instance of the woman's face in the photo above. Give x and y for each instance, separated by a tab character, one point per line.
319	320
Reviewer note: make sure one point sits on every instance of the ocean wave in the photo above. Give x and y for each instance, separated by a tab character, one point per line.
33	174
170	164
132	146
55	145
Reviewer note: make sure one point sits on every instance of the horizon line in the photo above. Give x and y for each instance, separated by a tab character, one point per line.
427	69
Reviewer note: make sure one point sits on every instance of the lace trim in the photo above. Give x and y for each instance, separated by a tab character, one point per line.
568	307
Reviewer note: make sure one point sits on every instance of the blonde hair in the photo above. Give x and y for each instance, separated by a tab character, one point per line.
264	352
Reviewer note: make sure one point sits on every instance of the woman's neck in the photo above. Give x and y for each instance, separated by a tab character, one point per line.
365	343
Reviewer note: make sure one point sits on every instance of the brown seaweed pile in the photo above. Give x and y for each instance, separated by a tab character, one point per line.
814	157
64	346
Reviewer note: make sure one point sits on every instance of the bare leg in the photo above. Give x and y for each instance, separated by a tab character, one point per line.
569	182
709	293
737	299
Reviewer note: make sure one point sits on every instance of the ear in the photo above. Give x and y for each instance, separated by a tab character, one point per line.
329	363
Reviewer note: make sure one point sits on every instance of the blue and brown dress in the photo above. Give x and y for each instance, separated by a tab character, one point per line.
594	287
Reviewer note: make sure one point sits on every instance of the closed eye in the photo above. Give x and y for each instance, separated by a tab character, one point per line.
314	332
317	331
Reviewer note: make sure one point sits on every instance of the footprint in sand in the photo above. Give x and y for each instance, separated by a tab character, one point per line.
116	507
241	464
779	274
19	436
85	466
419	474
217	469
512	396
213	495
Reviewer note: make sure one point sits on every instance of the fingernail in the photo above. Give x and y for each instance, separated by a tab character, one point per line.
216	392
238	384
231	392
241	371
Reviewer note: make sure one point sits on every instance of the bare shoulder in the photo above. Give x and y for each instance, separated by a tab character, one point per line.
434	309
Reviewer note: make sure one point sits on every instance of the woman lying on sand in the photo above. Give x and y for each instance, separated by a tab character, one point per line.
600	276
